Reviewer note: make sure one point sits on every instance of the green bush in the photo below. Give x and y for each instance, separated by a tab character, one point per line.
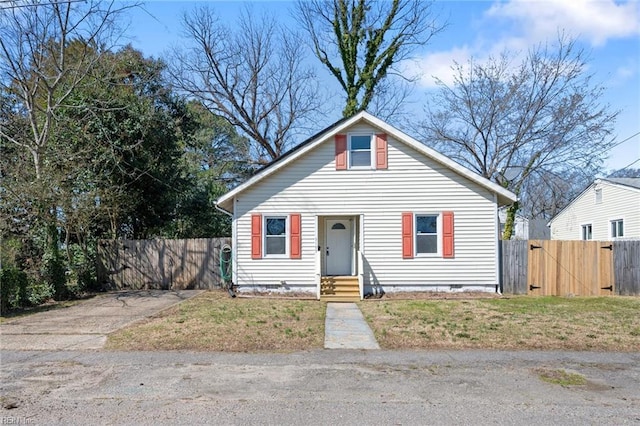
54	273
13	289
81	275
39	292
87	278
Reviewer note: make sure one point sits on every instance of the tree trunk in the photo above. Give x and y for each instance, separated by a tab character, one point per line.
510	221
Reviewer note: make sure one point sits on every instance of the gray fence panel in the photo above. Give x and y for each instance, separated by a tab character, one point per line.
514	266
626	264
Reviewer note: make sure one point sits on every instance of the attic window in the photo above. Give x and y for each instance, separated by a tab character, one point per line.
359	151
599	196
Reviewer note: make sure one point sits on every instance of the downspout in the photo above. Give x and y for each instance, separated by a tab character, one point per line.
233	248
498	246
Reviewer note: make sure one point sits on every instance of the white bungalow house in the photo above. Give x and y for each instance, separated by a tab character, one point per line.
362	208
608	209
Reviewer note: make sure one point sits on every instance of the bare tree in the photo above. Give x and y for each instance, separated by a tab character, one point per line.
48	51
35	67
251	73
508	123
546	192
625	173
360	42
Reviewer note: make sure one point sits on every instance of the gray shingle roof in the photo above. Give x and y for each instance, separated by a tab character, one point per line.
633	182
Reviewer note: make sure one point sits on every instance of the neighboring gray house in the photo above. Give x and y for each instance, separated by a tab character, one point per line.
362	208
608	209
526	229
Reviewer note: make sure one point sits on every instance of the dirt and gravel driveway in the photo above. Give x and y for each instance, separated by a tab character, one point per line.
323	387
337	387
85	325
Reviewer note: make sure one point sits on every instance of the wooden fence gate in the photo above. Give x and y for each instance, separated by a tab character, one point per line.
561	268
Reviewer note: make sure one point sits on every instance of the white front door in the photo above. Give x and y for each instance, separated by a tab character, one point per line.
338	246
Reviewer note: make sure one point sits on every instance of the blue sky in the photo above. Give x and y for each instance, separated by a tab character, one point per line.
609	30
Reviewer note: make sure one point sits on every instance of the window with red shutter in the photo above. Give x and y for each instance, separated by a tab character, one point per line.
295	242
447	235
381	151
407	235
341	152
256	236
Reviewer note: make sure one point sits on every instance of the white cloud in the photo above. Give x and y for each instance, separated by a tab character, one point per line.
624	73
438	65
517	25
595	21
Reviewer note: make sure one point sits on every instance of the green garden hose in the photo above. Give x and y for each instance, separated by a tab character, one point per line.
225	265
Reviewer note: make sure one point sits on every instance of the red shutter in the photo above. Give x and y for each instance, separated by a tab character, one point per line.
407	235
381	151
295	243
341	152
256	236
447	235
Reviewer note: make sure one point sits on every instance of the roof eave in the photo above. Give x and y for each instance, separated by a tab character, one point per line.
505	197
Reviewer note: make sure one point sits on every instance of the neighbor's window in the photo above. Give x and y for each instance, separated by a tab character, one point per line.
427	234
360	151
617	228
275	237
587	232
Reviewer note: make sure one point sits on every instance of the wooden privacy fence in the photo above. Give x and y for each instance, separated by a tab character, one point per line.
561	268
161	263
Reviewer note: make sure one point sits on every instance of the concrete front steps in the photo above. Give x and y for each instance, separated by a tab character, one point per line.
339	289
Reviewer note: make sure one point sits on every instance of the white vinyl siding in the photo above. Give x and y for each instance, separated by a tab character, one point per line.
311	186
617	202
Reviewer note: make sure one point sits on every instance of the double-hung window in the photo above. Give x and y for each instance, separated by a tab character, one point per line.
426	234
587	232
360	151
617	228
275	237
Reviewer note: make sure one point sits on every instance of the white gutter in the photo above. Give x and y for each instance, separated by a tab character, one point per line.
220	209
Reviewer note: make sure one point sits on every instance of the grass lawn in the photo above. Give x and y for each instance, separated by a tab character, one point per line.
523	322
215	322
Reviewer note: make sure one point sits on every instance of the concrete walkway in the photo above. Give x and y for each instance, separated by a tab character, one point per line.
85	326
345	328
